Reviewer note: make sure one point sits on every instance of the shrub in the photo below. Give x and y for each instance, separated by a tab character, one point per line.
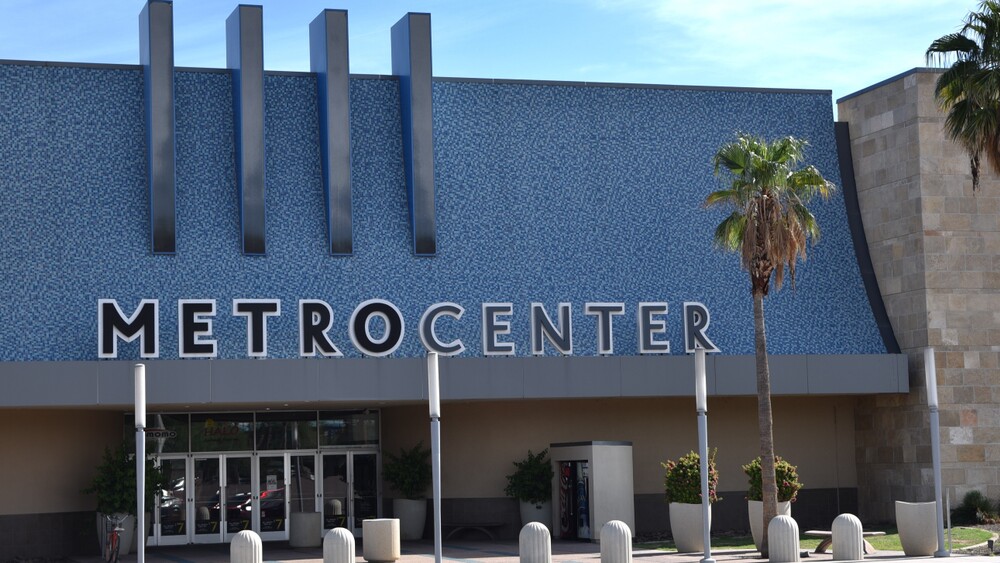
531	480
682	479
409	472
975	509
786	477
115	482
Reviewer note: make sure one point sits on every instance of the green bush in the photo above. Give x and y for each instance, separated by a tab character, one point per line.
682	479
975	509
409	472
115	482
786	477
531	480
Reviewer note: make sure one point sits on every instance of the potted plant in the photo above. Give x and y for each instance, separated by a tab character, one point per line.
410	474
786	477
682	484
115	484
531	484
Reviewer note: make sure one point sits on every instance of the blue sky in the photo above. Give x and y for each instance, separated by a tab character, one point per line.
842	46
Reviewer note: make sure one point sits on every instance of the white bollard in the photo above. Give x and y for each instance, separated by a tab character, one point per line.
246	548
338	546
848	541
783	540
616	542
534	543
381	539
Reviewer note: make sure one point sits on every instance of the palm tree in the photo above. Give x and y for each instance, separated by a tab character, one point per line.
969	90
768	227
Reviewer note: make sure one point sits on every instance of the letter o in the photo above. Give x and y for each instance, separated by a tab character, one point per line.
394	327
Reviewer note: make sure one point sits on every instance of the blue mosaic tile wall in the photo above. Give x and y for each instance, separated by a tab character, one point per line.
544	193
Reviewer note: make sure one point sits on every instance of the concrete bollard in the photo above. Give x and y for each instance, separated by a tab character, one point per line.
338	546
534	544
783	540
246	548
381	539
616	542
848	541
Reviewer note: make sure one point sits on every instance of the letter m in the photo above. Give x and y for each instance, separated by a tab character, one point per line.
112	324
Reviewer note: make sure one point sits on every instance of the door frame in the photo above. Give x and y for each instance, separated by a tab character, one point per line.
353	522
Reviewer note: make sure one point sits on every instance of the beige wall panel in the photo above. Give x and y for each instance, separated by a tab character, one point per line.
480	440
50	455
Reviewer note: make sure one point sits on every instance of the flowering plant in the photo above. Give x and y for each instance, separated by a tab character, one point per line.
785	476
682	479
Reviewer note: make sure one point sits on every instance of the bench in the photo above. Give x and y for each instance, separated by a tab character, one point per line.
483	527
828	539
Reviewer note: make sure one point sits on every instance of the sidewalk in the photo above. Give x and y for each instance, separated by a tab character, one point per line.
478	552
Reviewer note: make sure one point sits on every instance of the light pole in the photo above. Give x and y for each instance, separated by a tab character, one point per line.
434	402
140	461
930	372
701	403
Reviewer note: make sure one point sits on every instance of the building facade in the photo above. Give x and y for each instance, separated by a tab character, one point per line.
282	250
935	248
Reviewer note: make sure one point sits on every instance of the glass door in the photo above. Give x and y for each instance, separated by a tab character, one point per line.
350	490
206	494
336	492
364	482
172	508
237	491
271	516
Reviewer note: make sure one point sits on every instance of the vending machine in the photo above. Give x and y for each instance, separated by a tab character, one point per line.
574	500
593	485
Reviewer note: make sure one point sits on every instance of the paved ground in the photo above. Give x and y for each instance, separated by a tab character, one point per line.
479	552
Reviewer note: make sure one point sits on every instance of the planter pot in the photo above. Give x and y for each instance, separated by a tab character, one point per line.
755	509
917	525
686	528
148	524
412	515
536	512
125	541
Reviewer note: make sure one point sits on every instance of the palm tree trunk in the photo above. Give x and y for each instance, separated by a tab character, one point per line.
765	422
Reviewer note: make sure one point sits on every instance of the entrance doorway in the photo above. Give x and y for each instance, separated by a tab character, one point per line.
209	498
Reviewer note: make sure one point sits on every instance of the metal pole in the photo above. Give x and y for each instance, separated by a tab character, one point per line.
706	516
701	400
932	402
436	454
140	462
434	405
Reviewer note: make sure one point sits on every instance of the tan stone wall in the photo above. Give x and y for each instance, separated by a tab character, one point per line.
48	456
935	247
482	439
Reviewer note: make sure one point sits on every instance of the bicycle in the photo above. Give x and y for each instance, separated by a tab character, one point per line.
114	536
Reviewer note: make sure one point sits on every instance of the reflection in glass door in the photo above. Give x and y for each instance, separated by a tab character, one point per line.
173	502
335	492
207	492
270	495
350	490
237	490
365	484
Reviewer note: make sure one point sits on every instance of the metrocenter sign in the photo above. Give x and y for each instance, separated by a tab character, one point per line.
377	327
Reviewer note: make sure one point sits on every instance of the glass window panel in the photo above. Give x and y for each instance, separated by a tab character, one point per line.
166	433
286	430
348	428
173	498
221	432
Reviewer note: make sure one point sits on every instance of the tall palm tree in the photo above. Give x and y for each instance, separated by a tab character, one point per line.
969	90
768	227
